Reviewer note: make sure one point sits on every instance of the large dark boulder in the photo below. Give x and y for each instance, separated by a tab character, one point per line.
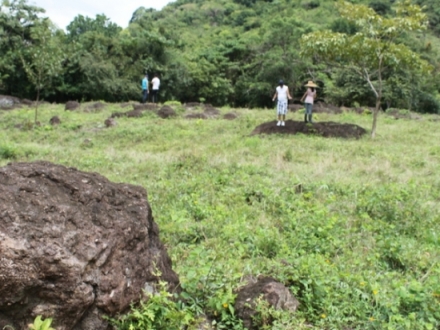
74	246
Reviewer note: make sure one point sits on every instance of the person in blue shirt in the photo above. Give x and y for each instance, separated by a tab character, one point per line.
145	89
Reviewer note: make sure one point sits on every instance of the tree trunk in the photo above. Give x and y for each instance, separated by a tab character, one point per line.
36	107
375	114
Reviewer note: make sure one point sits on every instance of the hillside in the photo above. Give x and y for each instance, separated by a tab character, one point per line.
222	52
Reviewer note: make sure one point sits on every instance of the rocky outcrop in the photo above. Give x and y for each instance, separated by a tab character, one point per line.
274	292
74	246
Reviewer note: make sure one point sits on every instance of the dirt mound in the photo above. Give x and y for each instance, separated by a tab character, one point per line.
211	111
197	116
166	112
230	116
134	114
145	106
95	107
74	246
321	107
325	129
402	114
71	105
55	120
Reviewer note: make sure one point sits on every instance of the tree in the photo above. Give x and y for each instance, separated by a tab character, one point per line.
372	50
42	61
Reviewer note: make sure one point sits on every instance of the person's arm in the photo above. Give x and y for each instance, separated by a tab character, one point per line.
304	96
274	96
288	94
315	95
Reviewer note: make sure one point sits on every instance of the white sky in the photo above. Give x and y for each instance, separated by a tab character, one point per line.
62	12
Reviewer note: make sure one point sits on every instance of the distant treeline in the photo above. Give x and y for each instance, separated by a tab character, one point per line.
229	52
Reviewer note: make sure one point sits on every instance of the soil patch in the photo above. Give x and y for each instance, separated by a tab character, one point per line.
324	129
166	112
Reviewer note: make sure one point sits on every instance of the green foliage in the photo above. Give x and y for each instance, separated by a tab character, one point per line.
158	311
349	226
8	152
39	324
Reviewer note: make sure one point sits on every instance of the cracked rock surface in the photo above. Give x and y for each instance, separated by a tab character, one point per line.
74	246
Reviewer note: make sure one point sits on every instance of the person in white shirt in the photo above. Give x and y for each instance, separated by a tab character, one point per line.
283	95
309	96
155	88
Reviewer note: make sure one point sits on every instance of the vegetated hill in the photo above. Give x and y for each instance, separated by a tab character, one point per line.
218	52
236	51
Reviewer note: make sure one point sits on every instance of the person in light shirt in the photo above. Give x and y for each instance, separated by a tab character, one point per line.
155	82
309	96
283	96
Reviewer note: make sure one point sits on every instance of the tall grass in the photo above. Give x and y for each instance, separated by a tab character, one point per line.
351	226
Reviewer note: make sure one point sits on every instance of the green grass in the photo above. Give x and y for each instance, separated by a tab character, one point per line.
351	226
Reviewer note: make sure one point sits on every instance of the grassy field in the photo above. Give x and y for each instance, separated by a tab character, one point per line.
351	226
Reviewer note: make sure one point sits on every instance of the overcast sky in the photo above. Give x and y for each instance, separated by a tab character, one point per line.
62	12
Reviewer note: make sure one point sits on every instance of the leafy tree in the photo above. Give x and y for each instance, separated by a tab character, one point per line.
43	61
373	49
17	18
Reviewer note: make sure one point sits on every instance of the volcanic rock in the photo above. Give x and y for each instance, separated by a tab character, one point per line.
55	120
274	292
71	105
166	112
74	246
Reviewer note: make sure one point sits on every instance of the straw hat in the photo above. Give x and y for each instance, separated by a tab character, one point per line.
311	84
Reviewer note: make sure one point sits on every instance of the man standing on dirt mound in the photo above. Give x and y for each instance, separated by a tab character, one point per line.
145	89
155	89
283	95
309	96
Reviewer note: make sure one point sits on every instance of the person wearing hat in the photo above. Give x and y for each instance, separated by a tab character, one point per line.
309	96
145	88
283	95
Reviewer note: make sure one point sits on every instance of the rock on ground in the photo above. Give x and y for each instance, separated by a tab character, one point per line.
166	112
275	293
71	105
55	120
74	246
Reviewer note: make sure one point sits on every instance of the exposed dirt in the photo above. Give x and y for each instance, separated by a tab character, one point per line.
166	112
324	129
71	105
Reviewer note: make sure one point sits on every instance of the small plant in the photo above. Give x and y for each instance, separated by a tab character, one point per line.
39	324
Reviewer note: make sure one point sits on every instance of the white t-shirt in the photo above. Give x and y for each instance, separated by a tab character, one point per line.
282	93
156	83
